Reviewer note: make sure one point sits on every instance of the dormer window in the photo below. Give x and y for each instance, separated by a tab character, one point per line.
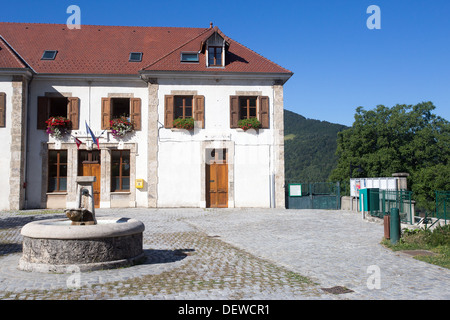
135	57
215	56
189	57
215	51
49	55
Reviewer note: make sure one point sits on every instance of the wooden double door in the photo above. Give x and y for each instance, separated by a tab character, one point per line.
216	178
89	165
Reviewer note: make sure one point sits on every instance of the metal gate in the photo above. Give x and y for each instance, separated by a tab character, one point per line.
318	195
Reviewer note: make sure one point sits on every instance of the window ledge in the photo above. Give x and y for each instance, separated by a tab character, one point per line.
120	192
248	130
57	193
181	130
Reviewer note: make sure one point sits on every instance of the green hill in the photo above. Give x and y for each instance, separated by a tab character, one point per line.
309	148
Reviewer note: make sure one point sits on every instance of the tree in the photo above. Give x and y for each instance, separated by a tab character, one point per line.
403	138
310	147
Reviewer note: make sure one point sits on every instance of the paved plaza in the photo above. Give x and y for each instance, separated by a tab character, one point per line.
262	254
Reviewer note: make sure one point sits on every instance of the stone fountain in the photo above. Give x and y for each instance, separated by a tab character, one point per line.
90	243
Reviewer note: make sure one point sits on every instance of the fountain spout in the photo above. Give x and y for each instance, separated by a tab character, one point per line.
84	214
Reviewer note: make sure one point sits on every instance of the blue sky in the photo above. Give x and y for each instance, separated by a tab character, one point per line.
338	63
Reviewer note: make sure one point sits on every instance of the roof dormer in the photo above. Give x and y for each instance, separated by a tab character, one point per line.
215	50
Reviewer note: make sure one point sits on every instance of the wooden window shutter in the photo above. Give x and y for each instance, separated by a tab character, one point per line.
135	113
106	113
234	111
73	112
264	112
199	110
42	112
168	111
2	110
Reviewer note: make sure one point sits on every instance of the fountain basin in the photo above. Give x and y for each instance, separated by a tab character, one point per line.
55	245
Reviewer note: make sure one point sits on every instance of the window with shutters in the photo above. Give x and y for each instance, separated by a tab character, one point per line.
120	107
2	110
57	107
183	107
247	107
114	108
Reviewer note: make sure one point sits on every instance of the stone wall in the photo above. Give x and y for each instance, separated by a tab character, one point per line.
279	146
18	144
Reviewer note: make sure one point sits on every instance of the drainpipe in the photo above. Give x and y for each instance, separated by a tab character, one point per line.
272	156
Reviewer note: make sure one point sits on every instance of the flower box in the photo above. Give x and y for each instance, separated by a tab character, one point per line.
58	126
187	123
251	123
121	126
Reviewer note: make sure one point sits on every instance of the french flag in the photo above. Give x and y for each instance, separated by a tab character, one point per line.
94	139
78	142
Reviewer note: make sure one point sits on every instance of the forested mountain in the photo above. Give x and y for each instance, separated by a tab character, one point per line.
309	148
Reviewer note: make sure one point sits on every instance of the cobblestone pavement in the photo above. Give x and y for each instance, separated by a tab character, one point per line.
234	254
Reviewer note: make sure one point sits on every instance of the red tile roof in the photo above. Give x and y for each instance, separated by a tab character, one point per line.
106	49
8	59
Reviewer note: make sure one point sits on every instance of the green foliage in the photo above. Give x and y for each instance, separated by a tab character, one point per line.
252	123
403	138
437	241
309	148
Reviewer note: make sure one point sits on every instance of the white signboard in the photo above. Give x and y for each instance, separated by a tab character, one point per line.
295	190
363	183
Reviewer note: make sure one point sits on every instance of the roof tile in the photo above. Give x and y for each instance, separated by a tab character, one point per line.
105	49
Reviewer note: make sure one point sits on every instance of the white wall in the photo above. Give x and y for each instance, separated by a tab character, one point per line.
90	95
5	138
252	176
179	183
252	157
180	154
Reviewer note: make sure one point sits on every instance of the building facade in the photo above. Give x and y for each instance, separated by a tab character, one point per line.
187	93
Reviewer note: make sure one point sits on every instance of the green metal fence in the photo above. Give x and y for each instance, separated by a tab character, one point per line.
382	201
442	206
318	195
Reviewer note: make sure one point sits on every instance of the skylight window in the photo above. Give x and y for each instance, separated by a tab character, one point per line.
49	55
135	57
189	57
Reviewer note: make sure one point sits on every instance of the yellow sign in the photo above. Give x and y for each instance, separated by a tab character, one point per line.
139	183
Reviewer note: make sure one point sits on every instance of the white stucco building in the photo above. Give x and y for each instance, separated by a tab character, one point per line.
151	76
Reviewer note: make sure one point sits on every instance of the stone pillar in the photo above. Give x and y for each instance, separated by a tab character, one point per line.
278	128
86	201
402	183
153	132
18	131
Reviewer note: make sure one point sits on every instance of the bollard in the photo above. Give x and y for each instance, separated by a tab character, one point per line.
394	225
387	223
